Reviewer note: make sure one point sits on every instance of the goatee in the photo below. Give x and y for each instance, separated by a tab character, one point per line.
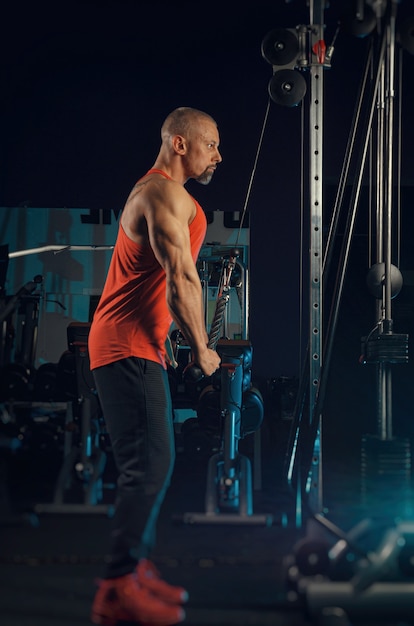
205	177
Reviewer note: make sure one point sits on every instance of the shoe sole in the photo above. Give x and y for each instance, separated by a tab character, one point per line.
102	620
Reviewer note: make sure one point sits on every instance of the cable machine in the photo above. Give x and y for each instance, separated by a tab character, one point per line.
375	583
292	52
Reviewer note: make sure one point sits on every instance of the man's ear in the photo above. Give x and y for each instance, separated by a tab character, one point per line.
179	144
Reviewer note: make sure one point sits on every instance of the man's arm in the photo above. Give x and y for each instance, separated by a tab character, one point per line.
168	232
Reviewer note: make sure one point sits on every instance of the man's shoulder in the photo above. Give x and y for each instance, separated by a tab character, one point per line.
157	195
154	182
168	189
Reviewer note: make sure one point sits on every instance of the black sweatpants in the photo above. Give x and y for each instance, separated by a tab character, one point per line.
136	403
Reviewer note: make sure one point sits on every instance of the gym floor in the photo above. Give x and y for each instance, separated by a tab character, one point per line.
236	573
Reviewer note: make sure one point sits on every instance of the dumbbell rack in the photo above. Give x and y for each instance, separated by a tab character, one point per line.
340	581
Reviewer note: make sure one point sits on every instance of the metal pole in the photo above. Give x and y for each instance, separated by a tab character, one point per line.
386	372
384	219
316	241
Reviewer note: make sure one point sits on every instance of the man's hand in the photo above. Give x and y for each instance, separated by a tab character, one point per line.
209	362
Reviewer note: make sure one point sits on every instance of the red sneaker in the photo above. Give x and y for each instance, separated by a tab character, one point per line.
149	578
124	599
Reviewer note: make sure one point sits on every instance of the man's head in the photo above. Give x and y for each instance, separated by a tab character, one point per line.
193	136
182	121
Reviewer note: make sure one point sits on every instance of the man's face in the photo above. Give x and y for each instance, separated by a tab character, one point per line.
203	154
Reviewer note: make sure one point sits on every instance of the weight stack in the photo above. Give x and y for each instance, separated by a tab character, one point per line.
386	476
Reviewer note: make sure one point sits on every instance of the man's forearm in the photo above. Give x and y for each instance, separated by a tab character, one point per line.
184	299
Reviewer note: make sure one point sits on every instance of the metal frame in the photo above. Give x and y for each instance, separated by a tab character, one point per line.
316	243
304	471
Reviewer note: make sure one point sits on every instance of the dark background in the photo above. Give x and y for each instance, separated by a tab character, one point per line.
86	85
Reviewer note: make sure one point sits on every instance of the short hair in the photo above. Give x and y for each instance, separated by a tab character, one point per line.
179	121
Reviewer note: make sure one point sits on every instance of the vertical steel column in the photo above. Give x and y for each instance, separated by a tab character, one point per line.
385	418
314	484
381	166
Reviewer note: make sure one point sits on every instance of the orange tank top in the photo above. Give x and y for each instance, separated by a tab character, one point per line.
132	317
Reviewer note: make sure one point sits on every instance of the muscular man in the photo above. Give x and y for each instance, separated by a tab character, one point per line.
152	281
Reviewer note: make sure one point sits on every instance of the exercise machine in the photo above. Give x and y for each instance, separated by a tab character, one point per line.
330	571
238	410
79	487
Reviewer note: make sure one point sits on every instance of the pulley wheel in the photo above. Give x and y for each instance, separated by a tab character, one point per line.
376	278
360	27
280	47
287	87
